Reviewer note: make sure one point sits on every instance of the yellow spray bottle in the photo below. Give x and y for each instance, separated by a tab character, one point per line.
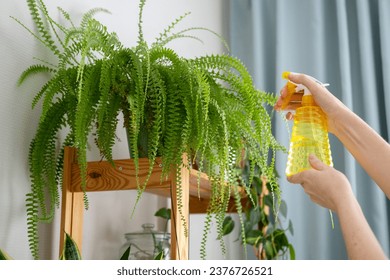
309	132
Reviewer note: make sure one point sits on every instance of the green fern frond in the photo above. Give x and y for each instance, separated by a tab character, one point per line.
154	117
180	36
44	173
219	36
73	34
88	16
88	98
238	204
172	142
163	37
141	39
42	164
53	26
34	70
205	234
53	88
68	57
68	142
66	15
37	7
95	39
32	223
179	198
106	130
107	71
183	34
137	68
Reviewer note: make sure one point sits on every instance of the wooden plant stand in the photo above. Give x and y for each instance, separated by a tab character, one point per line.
102	176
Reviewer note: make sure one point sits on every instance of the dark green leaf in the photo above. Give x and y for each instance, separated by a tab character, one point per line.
292	252
159	256
290	227
254	237
4	256
258	185
269	250
126	254
264	219
227	225
255	215
164	213
283	208
70	251
268	200
254	202
247	226
280	239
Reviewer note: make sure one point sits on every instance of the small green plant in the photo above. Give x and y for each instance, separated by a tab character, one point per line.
206	107
262	226
71	250
164	213
159	253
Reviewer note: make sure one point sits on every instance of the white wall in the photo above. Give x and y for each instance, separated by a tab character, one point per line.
109	215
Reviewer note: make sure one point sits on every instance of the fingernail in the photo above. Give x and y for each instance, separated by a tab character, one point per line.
285	75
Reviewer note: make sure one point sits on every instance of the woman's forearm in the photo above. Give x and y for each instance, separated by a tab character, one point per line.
360	241
367	146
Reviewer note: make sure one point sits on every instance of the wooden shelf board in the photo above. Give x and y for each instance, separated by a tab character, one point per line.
103	176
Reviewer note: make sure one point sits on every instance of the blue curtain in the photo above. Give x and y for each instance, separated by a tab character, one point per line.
347	44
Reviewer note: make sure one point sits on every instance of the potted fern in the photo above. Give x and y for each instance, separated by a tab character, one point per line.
206	107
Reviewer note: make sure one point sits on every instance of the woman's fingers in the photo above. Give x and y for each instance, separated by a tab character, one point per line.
316	163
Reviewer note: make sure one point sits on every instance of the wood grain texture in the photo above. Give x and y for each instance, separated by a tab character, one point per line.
180	212
72	206
103	176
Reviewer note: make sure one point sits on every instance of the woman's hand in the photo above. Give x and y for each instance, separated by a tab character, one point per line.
325	185
332	107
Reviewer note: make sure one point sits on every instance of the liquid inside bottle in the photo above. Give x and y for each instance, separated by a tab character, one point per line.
309	136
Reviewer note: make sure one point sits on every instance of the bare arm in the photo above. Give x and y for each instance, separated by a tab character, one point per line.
367	146
331	189
360	241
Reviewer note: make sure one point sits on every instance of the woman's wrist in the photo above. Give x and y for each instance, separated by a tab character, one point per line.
338	122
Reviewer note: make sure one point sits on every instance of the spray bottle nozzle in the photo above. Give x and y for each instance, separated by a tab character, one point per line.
294	88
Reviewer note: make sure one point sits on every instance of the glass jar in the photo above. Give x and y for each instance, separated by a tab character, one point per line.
147	244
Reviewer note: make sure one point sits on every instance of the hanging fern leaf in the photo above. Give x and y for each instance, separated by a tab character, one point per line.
32	70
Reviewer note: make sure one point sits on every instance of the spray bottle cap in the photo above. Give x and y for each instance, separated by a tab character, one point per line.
307	99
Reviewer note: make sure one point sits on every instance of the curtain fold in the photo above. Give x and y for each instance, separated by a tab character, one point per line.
347	44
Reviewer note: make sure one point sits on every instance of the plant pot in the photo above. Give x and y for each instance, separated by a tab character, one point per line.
143	142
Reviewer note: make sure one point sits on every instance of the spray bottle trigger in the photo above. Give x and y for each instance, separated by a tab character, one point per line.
291	89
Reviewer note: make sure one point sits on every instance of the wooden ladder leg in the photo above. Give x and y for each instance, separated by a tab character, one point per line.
180	213
72	207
